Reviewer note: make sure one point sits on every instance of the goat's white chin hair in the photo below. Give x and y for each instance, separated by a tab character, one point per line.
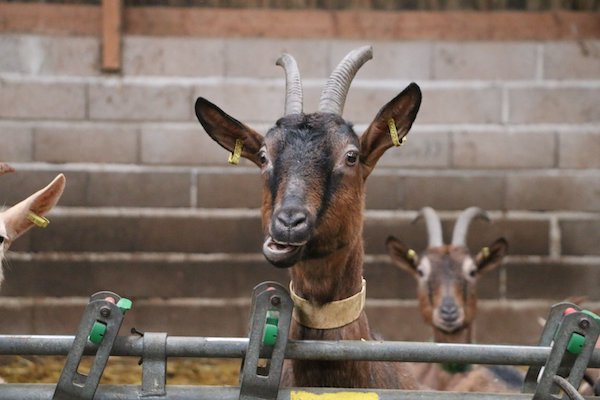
449	328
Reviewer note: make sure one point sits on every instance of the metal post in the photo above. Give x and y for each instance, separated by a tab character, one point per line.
103	315
154	364
271	315
550	328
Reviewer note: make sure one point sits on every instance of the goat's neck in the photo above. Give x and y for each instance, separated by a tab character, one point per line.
462	336
334	277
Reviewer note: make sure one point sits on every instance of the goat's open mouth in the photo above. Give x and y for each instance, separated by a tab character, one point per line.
450	327
281	254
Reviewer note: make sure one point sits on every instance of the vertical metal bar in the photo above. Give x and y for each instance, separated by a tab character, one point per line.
262	381
552	323
73	385
561	361
112	24
154	364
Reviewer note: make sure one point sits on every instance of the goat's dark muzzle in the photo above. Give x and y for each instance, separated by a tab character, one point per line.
448	311
291	225
449	316
290	230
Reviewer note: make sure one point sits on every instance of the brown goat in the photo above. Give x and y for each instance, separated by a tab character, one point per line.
447	277
314	168
15	221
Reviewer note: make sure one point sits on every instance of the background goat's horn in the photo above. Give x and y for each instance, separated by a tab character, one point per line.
434	226
334	94
293	84
461	227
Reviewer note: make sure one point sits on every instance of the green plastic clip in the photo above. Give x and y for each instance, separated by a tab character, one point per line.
270	335
577	341
272	318
124	305
97	333
271	330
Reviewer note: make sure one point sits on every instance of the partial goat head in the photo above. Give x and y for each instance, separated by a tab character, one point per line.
313	165
447	274
18	219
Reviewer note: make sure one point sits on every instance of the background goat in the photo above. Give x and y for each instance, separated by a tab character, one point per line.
447	282
314	168
15	220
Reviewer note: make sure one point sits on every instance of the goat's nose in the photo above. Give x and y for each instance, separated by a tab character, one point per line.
291	225
291	218
448	310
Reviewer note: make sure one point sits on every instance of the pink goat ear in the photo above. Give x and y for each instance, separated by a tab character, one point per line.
29	212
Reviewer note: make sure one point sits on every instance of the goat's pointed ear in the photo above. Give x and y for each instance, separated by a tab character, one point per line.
402	256
377	139
225	130
491	257
16	218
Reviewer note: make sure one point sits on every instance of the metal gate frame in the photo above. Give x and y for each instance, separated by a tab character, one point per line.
271	315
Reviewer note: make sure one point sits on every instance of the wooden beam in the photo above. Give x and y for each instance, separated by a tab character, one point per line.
301	24
41	18
112	31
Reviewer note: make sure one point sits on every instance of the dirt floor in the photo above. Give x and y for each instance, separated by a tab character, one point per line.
122	370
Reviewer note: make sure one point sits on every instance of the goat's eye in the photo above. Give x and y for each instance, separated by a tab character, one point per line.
351	157
262	157
472	273
420	272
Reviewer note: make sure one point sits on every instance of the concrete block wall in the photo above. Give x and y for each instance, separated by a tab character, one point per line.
153	211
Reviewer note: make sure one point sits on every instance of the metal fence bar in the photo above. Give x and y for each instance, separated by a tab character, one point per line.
191	346
128	392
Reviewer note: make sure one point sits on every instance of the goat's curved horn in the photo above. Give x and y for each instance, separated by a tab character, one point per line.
461	227
334	94
434	226
293	84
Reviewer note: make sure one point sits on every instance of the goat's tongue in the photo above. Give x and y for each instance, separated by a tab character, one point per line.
278	247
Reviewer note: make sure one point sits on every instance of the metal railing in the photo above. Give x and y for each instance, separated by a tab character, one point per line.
560	353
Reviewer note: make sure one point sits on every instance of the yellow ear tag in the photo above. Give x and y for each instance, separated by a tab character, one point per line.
234	158
411	254
394	133
39	221
485	252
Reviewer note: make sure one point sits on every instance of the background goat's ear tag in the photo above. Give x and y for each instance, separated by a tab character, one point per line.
485	252
393	132
37	220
